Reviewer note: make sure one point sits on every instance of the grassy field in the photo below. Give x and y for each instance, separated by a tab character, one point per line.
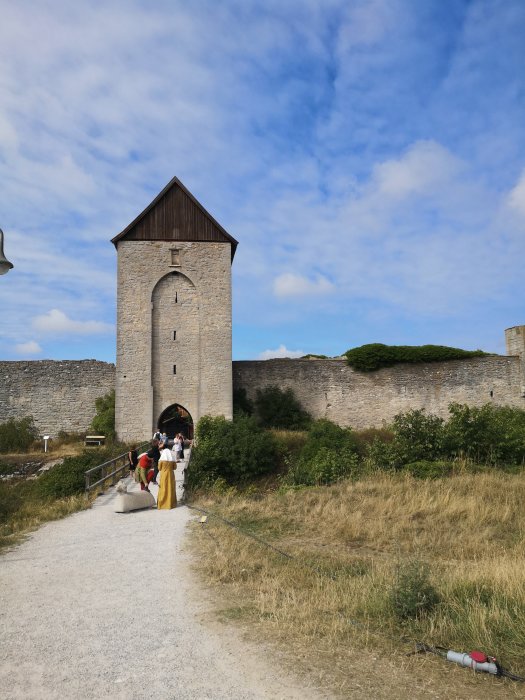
379	564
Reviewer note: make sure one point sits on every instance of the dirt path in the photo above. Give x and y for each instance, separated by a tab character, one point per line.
104	604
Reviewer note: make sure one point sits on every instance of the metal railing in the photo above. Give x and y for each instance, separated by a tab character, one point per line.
111	471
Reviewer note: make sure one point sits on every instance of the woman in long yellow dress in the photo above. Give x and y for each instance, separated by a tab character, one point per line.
167	496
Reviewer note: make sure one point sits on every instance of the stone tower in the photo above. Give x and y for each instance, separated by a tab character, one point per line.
174	360
515	344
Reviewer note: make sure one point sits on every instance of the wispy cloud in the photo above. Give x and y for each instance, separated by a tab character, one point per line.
28	349
281	351
56	322
516	198
291	285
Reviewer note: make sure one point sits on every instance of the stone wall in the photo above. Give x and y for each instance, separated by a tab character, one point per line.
331	389
59	395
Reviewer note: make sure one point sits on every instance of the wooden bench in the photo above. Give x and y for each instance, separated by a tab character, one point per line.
94	440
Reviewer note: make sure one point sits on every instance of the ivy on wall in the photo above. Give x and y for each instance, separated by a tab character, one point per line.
373	356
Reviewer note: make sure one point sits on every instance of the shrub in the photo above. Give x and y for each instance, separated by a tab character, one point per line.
488	434
412	594
365	438
329	454
373	356
325	435
276	408
104	421
290	442
415	437
426	469
328	467
67	478
235	451
241	403
17	435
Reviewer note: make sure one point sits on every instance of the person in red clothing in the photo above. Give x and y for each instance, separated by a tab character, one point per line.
143	467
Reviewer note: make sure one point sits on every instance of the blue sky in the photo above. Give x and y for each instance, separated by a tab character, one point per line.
368	155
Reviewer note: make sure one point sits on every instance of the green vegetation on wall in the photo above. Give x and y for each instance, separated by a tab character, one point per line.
368	358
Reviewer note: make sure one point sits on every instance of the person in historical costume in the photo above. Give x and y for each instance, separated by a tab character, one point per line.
167	496
142	471
177	448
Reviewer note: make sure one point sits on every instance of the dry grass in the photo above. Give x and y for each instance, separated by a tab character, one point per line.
469	529
56	449
32	513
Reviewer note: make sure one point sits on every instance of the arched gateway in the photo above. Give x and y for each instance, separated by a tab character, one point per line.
176	419
173	315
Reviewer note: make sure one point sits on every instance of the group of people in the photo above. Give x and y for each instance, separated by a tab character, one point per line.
146	467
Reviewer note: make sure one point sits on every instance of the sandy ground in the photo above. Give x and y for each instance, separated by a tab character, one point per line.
104	604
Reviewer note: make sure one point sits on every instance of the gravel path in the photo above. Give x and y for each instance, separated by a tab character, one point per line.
104	604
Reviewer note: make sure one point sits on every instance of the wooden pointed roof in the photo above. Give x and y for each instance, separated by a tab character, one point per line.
175	215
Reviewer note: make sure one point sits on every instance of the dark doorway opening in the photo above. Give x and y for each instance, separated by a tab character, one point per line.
176	419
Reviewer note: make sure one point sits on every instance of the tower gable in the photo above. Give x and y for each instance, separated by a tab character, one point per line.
175	215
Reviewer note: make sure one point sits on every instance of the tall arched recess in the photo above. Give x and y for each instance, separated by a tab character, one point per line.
175	344
176	419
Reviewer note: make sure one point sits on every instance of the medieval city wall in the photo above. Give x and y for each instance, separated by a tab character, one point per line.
60	395
331	389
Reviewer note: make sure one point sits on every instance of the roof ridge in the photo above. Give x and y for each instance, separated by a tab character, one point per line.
171	184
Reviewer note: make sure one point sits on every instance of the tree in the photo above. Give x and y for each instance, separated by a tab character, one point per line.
103	422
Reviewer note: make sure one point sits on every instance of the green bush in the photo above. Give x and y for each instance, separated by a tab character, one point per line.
328	455
67	478
235	451
489	434
241	403
290	442
412	594
17	435
427	469
328	467
104	421
276	408
325	435
12	497
368	358
416	437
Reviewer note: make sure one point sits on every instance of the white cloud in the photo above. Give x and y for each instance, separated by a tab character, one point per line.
29	348
281	351
291	285
56	321
424	167
516	198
